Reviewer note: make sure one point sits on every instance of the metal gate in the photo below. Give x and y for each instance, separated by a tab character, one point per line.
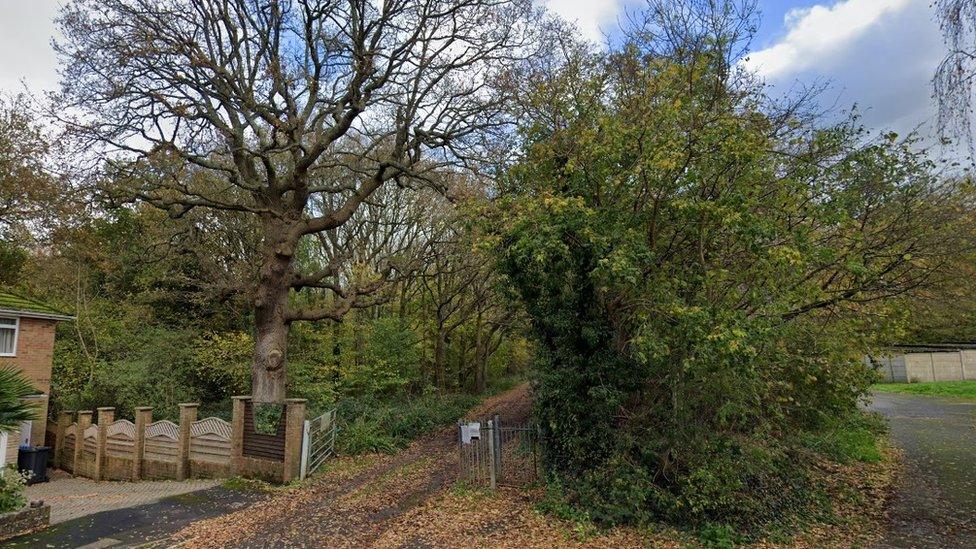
495	453
318	441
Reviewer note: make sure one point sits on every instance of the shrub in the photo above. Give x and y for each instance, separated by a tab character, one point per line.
368	424
365	435
12	483
698	304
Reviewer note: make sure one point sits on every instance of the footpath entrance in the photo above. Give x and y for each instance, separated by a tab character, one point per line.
494	453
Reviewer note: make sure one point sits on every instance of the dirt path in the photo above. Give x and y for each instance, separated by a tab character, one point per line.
358	500
935	503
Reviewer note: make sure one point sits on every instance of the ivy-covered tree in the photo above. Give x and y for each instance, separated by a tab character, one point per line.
703	268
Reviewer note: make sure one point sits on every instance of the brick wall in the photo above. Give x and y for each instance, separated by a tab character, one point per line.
35	352
35	355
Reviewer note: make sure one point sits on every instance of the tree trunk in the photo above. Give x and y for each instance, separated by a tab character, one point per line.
480	384
271	327
479	357
439	358
462	358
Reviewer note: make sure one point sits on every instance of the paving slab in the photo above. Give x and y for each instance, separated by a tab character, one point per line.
72	497
146	525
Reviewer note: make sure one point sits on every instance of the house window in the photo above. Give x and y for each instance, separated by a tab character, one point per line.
8	336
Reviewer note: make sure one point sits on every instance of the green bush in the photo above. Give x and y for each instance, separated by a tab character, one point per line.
700	308
267	417
368	424
365	435
12	484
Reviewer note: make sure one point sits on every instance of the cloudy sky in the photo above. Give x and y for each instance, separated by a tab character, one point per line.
878	54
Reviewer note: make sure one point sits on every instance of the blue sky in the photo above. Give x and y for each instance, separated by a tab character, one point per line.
878	54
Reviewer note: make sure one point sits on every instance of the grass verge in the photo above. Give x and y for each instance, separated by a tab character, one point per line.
858	439
953	389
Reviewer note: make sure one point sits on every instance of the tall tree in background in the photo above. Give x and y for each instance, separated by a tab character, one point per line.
33	198
264	107
28	189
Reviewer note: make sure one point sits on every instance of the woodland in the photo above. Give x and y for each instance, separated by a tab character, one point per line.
398	208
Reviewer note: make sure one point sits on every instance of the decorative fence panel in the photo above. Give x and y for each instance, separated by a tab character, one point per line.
89	444
210	448
263	454
261	445
161	453
67	456
120	443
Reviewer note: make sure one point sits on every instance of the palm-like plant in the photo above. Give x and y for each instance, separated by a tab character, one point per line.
14	410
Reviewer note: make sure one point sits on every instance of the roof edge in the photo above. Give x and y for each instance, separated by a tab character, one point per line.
34	314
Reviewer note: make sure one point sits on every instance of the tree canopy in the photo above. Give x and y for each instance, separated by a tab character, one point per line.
292	112
704	269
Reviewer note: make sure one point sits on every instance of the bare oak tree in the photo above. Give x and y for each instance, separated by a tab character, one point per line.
271	105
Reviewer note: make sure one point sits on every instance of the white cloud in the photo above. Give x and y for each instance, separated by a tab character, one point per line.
592	17
818	32
26	57
26	28
879	55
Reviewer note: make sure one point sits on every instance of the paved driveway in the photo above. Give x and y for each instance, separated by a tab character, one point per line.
143	526
935	505
72	497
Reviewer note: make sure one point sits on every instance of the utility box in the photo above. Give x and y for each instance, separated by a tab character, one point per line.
470	431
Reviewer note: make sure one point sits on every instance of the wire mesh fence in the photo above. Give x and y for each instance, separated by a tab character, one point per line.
491	452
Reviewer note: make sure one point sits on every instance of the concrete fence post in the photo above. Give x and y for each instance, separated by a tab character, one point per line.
143	419
496	431
106	416
84	422
188	414
294	431
237	435
60	430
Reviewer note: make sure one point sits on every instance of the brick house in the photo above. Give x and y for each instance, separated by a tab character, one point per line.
27	344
